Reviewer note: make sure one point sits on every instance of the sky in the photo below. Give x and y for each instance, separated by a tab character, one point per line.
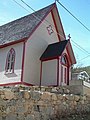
80	37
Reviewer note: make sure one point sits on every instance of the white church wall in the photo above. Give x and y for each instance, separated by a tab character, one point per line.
49	73
11	77
35	47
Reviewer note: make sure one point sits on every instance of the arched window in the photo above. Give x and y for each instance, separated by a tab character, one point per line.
10	61
64	59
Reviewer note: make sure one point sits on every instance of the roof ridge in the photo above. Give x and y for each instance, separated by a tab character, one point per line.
24	26
29	14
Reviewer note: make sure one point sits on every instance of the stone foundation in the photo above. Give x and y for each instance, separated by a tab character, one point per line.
35	103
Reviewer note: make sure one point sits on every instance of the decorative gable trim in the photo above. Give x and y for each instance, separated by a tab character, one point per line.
60	23
54	5
55	26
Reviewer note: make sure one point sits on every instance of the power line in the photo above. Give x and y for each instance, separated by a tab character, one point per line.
28	6
53	26
85	57
37	17
57	33
73	16
82	51
80	47
21	5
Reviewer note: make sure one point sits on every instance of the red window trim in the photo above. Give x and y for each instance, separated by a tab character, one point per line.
7	61
65	56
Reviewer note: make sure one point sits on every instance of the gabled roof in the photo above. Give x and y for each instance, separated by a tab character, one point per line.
23	27
54	50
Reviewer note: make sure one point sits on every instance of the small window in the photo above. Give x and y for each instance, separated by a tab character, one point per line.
64	60
10	61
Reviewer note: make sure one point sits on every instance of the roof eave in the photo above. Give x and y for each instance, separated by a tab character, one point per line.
73	59
13	42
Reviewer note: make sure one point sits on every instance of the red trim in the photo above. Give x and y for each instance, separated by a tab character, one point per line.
46	59
58	72
41	74
42	19
67	68
10	52
14	42
16	83
27	84
60	22
67	59
55	25
72	51
23	39
68	47
23	59
68	55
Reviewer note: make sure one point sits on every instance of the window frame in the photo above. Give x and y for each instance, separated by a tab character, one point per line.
64	60
10	61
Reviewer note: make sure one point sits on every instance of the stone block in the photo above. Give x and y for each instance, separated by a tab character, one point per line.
26	95
9	95
77	98
54	97
30	117
35	95
11	117
60	97
46	96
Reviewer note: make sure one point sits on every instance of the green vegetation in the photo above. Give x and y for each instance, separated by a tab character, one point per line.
80	69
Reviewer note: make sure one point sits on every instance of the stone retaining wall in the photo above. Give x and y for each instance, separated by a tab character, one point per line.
35	103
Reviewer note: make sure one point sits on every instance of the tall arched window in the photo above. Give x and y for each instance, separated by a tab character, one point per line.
10	61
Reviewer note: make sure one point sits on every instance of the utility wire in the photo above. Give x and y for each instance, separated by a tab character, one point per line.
73	16
40	18
80	47
84	57
57	33
50	23
28	6
21	5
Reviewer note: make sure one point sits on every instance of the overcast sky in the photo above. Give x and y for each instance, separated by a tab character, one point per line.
9	10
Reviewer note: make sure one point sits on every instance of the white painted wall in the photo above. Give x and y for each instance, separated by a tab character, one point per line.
16	76
35	47
60	71
69	73
49	72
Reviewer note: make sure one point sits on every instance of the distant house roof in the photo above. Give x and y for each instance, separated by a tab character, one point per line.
23	27
54	50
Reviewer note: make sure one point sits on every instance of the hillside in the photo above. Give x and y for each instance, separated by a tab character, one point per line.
79	69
